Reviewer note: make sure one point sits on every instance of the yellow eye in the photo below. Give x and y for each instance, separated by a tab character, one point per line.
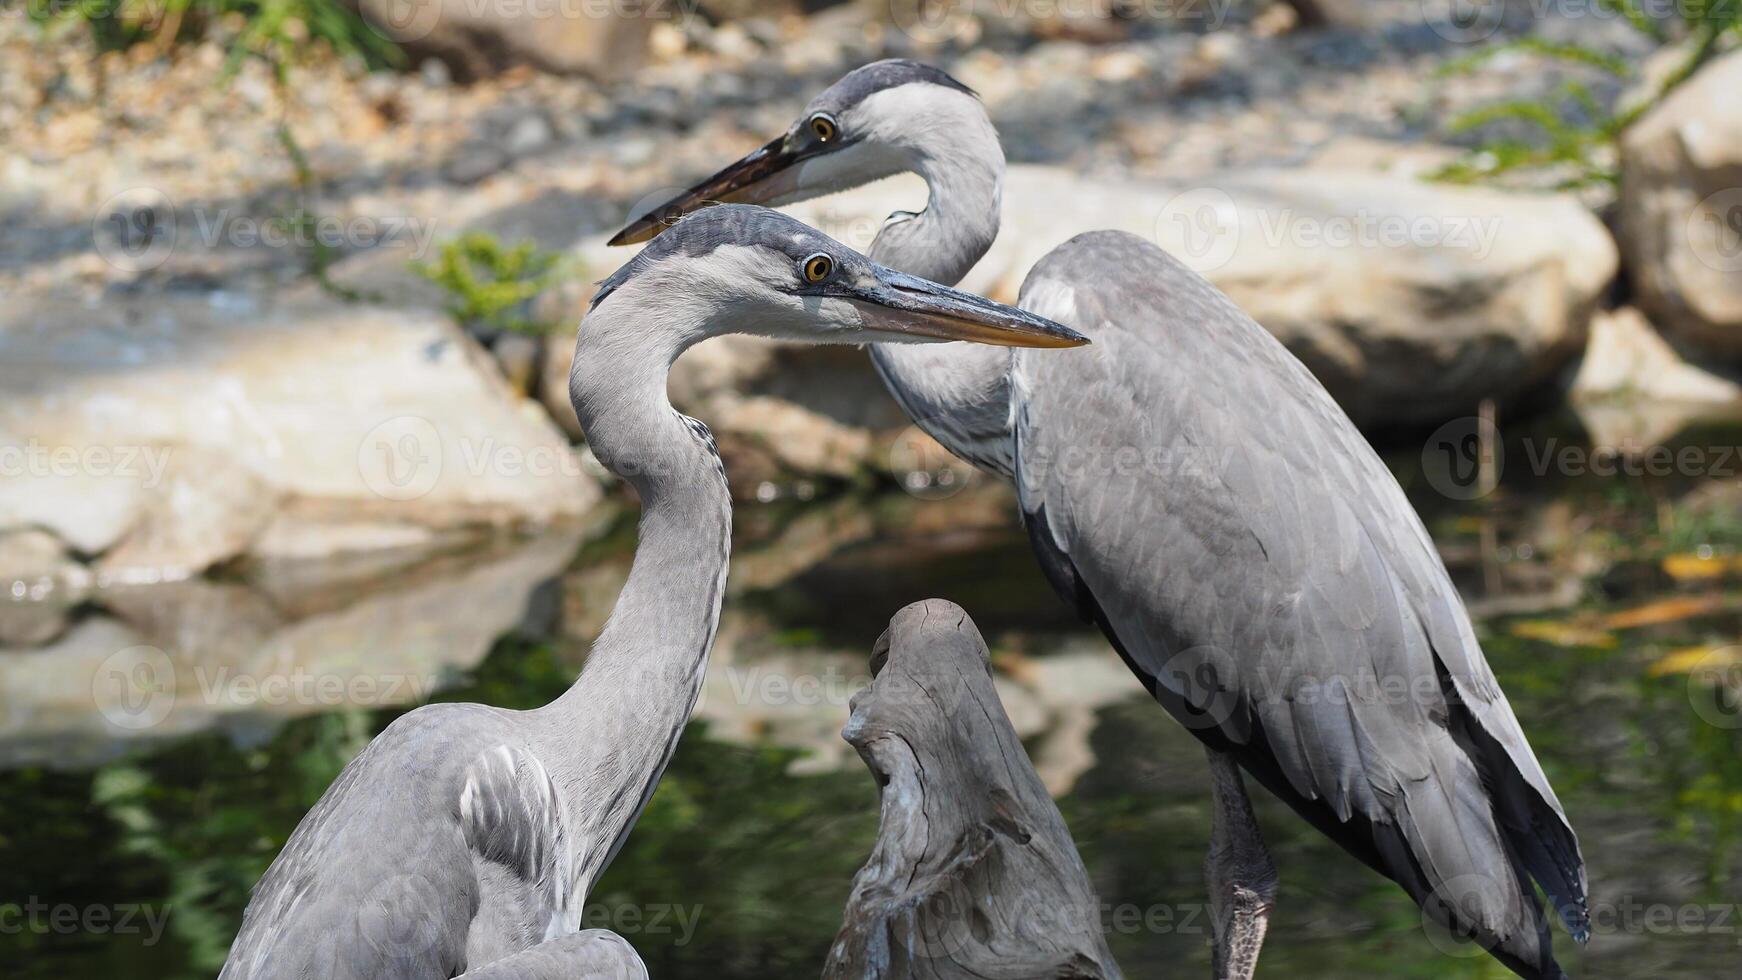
818	267
823	127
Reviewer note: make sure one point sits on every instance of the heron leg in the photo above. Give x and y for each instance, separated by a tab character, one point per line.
593	954
1242	879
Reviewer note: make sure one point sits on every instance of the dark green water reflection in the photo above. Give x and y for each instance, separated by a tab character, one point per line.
742	862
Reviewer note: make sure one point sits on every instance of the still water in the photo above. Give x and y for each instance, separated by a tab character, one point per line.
1610	607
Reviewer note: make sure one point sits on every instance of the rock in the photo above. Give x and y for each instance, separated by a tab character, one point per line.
799	439
479	40
205	509
1681	210
33	561
1417	161
169	660
39	583
473	161
1627	359
1633	388
1411	301
553	382
527	132
162	433
517	355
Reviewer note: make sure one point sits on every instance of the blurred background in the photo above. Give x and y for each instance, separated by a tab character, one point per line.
288	291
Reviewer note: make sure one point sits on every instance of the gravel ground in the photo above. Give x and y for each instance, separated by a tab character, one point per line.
527	154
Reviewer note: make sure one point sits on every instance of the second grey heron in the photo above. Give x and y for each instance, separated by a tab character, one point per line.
464	839
1190	487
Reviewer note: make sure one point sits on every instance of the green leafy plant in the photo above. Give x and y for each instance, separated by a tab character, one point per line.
489	284
276	30
1571	131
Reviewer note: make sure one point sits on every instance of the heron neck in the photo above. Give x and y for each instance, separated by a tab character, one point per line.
612	733
958	393
964	178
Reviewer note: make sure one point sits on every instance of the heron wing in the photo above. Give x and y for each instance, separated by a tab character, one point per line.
374	881
1194	488
513	822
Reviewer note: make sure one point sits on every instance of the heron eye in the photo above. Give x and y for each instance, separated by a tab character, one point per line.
823	127
818	267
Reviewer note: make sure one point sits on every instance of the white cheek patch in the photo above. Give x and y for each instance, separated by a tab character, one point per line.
841	314
827	318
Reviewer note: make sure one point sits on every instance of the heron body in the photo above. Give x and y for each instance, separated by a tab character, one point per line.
1188	485
464	839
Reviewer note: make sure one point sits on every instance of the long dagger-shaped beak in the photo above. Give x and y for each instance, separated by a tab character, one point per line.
761	177
895	302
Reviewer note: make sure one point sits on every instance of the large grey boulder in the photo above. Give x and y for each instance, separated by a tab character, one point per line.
480	39
1681	210
1411	301
161	435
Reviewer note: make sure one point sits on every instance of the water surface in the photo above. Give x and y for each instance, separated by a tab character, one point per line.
1609	606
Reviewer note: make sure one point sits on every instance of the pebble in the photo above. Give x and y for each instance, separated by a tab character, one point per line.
527	133
1252	92
474	161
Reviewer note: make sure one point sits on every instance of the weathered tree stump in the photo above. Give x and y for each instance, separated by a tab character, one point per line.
974	874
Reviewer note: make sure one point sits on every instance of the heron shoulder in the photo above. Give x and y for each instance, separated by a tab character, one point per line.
1128	271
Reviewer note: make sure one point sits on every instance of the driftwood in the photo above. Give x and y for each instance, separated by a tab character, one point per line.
974	874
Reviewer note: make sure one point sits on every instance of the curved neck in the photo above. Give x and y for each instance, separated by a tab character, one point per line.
964	178
958	393
610	736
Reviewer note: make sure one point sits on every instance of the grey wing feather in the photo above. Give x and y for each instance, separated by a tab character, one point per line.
374	883
512	819
440	845
1195	488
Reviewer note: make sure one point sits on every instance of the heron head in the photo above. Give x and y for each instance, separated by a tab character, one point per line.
742	268
885	118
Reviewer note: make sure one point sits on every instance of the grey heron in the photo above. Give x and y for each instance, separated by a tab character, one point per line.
1191	488
464	839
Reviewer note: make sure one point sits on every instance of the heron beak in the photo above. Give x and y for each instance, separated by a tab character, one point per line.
763	176
898	303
